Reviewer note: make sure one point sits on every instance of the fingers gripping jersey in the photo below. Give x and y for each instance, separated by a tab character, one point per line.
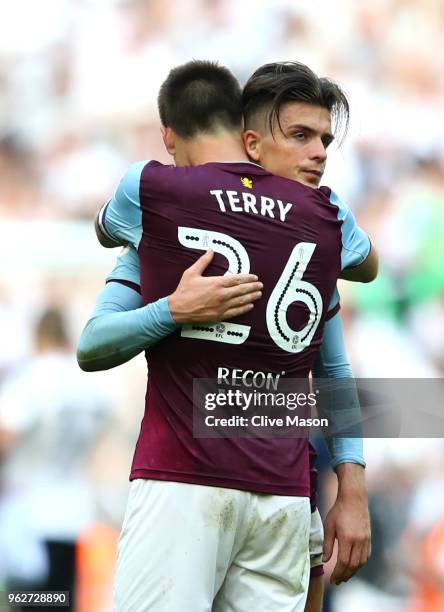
288	234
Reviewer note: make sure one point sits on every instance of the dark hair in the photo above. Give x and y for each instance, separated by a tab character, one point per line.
200	96
272	85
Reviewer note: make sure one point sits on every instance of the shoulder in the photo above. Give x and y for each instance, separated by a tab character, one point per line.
130	183
138	173
153	171
152	168
334	200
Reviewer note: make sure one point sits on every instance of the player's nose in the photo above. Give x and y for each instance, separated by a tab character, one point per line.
318	150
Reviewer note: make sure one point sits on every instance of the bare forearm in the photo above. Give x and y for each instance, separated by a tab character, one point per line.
351	481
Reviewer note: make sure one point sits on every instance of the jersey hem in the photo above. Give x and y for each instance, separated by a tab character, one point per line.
226	483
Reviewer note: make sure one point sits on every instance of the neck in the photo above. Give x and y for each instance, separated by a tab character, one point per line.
226	146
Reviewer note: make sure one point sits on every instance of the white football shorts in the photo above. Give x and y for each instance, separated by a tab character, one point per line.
195	548
316	539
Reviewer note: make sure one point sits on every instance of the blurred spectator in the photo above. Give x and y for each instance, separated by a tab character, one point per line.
51	417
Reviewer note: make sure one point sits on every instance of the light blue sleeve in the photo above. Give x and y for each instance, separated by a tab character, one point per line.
355	242
337	396
127	267
121	218
334	299
120	327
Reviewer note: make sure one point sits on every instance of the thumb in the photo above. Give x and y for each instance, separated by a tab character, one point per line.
329	540
202	263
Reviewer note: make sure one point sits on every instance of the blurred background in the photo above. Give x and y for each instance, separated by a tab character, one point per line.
78	87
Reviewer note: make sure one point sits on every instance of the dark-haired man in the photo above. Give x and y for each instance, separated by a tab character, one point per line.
288	115
252	204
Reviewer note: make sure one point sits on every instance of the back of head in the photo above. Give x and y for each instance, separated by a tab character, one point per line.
273	85
50	331
200	97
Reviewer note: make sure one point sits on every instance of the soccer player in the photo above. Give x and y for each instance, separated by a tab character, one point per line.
287	129
227	202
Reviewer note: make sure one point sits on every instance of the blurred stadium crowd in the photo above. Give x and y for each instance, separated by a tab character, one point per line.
78	87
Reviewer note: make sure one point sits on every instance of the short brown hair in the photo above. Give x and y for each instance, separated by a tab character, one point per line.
200	96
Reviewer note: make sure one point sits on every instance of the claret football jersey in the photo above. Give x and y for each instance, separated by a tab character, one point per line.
297	240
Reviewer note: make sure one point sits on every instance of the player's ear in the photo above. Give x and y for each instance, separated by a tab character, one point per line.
252	144
168	139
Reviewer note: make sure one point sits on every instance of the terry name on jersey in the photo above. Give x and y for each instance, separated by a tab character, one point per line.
249	203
